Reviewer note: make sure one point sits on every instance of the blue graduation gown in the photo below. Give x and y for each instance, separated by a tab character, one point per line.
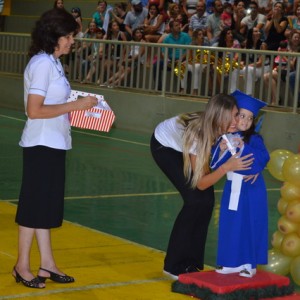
243	234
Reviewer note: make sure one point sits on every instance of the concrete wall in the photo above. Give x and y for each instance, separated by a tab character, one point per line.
141	112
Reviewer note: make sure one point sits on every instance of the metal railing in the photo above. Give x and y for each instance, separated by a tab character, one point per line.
205	71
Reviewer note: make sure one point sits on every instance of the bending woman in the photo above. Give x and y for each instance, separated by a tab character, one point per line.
181	147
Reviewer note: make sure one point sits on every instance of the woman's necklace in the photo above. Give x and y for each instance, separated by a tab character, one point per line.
59	68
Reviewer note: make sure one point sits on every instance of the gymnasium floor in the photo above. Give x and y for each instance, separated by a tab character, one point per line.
119	211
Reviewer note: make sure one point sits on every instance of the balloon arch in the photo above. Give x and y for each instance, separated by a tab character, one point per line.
284	257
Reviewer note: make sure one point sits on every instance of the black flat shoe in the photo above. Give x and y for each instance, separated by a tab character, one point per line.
33	283
192	269
56	277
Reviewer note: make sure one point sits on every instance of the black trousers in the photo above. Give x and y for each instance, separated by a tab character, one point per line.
187	241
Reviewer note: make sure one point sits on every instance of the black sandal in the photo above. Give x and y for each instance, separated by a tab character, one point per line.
56	277
33	283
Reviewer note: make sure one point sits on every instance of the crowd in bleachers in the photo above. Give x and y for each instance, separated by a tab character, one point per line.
248	24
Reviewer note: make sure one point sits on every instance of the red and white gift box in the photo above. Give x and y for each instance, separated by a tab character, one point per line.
100	117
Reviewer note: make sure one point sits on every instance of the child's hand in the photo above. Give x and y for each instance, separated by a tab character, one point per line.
223	145
238	142
251	177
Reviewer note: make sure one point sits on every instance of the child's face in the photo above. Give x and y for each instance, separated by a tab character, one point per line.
138	35
115	26
99	35
295	38
229	10
75	14
245	119
92	27
176	9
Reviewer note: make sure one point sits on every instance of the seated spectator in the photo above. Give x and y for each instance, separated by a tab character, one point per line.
76	12
257	66
172	13
89	63
189	7
119	14
199	19
293	22
84	51
272	4
209	6
154	25
134	57
194	64
254	19
284	65
214	23
102	15
290	6
239	13
227	16
112	53
275	27
85	48
292	85
175	55
136	17
279	59
184	22
227	41
162	7
264	7
154	28
59	4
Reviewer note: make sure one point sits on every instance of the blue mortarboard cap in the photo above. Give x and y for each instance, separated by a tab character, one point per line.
247	102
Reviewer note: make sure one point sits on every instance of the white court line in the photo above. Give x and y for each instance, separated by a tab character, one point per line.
87	133
129	195
84	288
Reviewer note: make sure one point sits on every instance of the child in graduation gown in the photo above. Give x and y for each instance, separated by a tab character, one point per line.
243	224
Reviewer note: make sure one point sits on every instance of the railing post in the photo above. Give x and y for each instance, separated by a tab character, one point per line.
296	91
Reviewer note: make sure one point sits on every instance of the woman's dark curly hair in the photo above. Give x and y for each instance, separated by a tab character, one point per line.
52	25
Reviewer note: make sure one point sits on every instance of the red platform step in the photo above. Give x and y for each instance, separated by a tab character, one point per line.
211	285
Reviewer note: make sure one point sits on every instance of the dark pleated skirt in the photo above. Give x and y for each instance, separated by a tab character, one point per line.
41	201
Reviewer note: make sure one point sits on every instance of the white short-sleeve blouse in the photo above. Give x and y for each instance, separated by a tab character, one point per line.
44	76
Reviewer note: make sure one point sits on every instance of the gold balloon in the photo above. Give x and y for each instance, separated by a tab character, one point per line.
290	192
290	245
282	205
275	164
277	263
229	64
293	211
196	60
298	230
277	239
291	169
179	71
295	270
211	56
286	226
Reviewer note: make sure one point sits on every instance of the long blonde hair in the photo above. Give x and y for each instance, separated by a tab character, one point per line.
202	129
